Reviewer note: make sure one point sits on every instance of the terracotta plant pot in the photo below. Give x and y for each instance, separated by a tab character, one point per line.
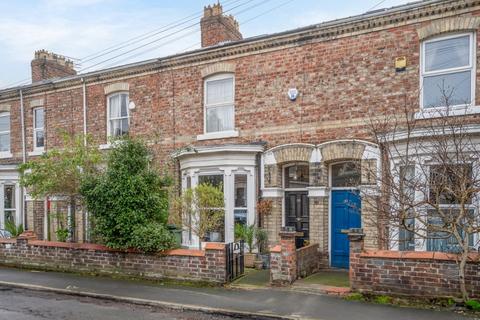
250	260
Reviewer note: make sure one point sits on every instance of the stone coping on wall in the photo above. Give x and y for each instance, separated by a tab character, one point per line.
307	247
97	247
416	255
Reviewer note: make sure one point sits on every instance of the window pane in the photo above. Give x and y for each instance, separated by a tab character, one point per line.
447	90
446	54
124	105
444	241
115	128
114	105
240	191
220	119
346	174
220	91
5	123
406	236
39	118
240	216
296	176
9	197
5	142
39	139
214	180
447	182
124	126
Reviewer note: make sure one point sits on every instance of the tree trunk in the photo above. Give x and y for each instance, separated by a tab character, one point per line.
71	219
461	275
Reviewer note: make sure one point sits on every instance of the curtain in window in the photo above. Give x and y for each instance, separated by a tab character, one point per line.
220	118
4	133
447	54
220	91
118	115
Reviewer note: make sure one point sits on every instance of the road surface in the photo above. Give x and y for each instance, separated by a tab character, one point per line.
20	304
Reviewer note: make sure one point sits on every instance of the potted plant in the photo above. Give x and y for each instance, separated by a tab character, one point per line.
262	243
246	233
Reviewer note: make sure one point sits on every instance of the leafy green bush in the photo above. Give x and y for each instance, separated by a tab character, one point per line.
62	234
473	304
246	233
383	299
262	240
152	237
127	195
13	229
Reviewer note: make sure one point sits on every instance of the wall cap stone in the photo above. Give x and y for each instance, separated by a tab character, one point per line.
116	87
448	25
416	255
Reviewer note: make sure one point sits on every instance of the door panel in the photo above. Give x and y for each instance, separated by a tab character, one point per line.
297	214
346	214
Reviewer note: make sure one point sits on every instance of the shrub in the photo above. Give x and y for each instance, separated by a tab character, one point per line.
62	234
127	195
473	304
246	233
13	229
152	237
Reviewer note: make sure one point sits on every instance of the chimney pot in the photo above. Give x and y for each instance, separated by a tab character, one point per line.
49	65
218	28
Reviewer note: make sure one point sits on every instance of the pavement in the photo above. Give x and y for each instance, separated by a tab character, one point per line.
252	304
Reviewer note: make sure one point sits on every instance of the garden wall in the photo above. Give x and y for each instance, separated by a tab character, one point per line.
182	264
287	263
308	260
420	274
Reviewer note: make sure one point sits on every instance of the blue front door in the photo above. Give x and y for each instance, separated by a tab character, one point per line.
346	212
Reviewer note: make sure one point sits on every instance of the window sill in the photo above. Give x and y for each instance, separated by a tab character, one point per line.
5	155
443	112
37	152
217	135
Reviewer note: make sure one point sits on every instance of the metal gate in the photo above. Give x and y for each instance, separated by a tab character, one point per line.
235	259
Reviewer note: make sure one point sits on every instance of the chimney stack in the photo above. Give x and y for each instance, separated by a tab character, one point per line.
218	28
48	65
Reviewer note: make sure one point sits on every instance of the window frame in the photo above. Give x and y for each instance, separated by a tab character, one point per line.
109	135
35	129
216	77
7	153
471	67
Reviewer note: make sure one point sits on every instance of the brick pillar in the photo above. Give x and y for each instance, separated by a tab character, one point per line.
283	260
356	238
22	240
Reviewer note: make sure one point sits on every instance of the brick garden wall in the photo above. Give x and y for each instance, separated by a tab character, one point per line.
181	264
419	274
308	260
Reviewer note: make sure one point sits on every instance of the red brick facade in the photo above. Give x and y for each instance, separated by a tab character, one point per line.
344	72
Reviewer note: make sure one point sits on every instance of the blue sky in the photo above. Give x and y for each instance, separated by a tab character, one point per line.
79	28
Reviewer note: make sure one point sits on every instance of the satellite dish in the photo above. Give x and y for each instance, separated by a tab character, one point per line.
131	105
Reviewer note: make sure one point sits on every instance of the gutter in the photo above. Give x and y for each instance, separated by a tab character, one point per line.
24	159
84	89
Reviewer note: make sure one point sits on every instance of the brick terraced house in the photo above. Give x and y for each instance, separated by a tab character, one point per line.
281	117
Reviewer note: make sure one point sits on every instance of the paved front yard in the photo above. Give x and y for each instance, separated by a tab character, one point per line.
327	278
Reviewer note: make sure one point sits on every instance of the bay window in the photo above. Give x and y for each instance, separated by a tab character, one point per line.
447	71
118	114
